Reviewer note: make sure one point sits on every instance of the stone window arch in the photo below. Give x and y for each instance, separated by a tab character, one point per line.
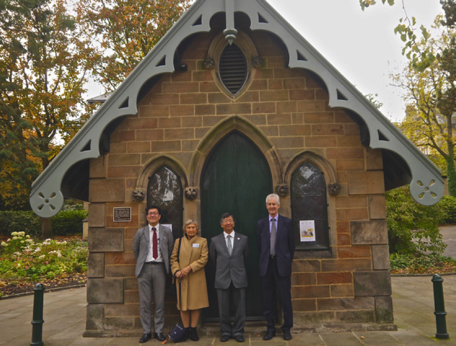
140	192
164	190
309	204
312	180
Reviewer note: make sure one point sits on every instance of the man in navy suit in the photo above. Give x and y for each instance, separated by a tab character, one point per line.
228	252
276	245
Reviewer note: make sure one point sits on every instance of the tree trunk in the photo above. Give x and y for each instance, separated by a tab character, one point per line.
451	176
46	228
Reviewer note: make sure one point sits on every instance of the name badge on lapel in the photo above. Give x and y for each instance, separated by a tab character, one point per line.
196	245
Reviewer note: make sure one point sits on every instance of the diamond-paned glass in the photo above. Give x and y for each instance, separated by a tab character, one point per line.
165	190
308	202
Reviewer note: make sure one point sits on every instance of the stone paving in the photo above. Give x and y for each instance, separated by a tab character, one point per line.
64	315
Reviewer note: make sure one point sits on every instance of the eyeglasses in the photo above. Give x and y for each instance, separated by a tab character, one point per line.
152	214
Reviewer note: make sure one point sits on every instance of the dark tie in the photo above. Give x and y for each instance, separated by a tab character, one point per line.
154	244
228	244
273	236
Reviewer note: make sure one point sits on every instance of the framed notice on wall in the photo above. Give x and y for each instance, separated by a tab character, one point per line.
121	214
307	230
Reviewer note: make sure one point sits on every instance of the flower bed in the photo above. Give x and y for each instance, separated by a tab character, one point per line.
416	264
25	261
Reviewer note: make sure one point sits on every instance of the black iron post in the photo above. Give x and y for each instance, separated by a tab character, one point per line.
439	303
37	322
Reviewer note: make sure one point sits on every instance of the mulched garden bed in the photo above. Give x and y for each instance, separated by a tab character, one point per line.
13	287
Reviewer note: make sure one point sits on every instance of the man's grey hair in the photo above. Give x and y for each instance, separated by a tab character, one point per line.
273	195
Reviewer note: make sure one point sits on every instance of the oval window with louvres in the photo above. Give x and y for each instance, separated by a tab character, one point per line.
233	68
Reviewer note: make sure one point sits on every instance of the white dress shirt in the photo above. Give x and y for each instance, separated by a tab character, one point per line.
232	238
149	257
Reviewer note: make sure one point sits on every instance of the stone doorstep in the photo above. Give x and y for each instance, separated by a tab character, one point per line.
255	328
344	327
112	333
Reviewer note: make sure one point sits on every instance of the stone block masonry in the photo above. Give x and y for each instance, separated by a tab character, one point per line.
284	108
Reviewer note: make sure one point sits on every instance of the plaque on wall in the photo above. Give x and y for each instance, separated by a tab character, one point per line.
122	214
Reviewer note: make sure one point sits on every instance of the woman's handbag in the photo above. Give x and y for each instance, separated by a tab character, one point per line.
177	333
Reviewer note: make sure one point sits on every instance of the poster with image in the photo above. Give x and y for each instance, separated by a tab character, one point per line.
307	230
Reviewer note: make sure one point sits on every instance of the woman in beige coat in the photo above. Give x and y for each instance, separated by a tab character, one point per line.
189	273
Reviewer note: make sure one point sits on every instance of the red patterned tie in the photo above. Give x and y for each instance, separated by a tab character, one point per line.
154	244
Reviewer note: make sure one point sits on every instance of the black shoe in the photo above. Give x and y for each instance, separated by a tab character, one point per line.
159	336
145	338
239	338
225	338
185	335
193	335
287	335
269	335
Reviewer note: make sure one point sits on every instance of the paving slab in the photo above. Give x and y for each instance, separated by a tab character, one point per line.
65	313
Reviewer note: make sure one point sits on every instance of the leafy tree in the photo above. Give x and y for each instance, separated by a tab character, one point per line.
373	99
125	31
413	227
366	3
430	84
42	77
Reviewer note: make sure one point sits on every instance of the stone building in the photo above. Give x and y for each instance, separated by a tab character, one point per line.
233	104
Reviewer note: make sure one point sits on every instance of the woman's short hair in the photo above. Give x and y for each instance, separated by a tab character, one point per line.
190	222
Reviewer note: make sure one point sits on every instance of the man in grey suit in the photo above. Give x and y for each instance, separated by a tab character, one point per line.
152	247
229	251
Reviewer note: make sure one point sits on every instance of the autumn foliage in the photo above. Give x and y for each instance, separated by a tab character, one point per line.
48	52
43	69
124	31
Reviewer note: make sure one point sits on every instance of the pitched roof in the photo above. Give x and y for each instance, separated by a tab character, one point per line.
47	195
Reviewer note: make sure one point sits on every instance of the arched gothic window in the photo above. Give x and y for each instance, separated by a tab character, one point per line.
309	208
165	190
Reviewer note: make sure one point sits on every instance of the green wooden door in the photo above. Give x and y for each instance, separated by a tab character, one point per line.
236	178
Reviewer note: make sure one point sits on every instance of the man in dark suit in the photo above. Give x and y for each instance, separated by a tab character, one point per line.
152	247
228	252
276	244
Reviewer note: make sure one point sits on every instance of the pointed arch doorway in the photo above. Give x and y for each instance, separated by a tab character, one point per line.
236	178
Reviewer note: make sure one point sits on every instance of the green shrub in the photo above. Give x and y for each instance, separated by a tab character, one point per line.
18	221
66	222
413	227
448	206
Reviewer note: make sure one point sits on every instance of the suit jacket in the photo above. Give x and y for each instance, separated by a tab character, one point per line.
141	244
285	245
229	268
